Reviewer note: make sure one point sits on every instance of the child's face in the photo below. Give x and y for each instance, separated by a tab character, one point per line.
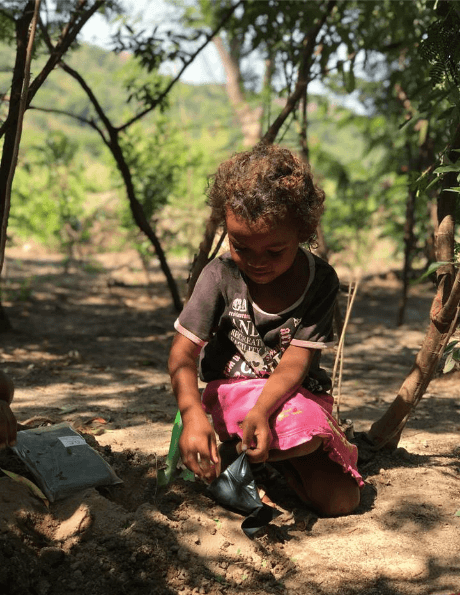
262	251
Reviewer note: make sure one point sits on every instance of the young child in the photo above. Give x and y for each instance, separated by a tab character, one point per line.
8	424
259	317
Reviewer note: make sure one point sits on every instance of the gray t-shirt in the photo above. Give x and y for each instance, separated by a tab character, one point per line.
241	340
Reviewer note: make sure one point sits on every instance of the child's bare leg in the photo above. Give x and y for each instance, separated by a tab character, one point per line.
228	451
297	451
322	484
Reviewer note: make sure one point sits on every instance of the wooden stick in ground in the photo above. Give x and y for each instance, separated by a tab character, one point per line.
340	343
340	348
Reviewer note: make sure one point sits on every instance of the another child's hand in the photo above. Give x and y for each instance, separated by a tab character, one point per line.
256	436
8	426
198	448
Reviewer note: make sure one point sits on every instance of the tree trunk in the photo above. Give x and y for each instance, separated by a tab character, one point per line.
248	118
408	248
15	116
137	211
5	324
424	158
141	221
25	33
429	248
202	257
67	37
21	95
386	431
303	134
321	249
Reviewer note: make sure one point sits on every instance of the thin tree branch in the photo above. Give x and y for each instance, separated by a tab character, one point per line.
113	143
220	241
81	119
92	97
65	41
303	75
68	36
6	14
173	81
72	21
452	301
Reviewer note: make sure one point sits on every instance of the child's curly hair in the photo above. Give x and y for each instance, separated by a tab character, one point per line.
270	183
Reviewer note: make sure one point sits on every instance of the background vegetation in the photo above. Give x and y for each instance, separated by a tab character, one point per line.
193	136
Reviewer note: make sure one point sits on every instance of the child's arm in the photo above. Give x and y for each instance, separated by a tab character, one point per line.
289	374
8	426
198	441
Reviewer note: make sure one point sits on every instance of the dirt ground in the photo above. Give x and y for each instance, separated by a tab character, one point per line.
90	347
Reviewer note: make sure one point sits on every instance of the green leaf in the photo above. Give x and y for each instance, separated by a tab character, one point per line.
187	475
458	512
433	182
445	114
449	364
166	475
453	189
434	266
423	131
349	80
444	169
450	347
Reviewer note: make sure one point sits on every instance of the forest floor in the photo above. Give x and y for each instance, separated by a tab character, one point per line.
89	347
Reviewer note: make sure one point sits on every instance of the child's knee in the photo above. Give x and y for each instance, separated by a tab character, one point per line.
340	502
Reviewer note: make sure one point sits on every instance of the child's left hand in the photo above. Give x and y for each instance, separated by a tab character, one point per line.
256	436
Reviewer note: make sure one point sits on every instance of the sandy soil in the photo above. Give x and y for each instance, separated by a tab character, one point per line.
90	348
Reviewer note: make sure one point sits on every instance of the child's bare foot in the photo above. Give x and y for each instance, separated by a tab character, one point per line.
264	498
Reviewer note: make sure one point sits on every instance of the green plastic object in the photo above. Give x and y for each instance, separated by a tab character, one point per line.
170	472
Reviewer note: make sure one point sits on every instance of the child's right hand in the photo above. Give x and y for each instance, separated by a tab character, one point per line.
256	435
198	448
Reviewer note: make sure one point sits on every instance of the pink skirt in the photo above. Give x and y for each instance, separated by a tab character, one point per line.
301	417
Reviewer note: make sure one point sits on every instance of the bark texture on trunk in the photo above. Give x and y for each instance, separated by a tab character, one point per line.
19	88
386	431
111	139
25	34
409	241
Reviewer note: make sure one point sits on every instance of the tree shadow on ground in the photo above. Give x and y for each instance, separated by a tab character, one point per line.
143	549
69	329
